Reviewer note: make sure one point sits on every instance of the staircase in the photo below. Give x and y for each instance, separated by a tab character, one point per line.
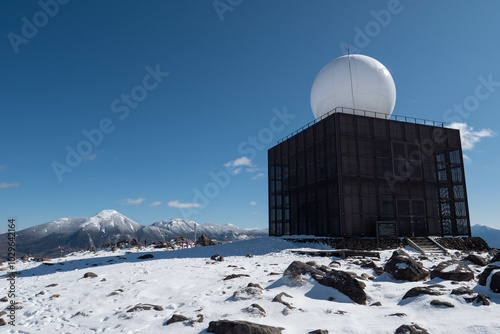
426	246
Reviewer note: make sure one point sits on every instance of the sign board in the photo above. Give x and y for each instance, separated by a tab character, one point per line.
387	229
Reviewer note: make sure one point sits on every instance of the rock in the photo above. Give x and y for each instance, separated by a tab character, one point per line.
297	268
403	267
495	282
2	313
217	257
175	318
250	255
453	270
89	274
52	285
2	322
477	260
397	315
417	291
495	258
235	276
379	271
204	240
368	264
25	258
483	277
199	318
480	299
145	307
437	302
278	299
40	293
335	264
312	263
55	295
255	309
134	242
254	285
411	329
247	293
241	327
345	283
463	290
376	304
103	279
319	331
4	299
146	256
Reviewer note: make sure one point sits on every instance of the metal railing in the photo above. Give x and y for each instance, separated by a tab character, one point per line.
368	113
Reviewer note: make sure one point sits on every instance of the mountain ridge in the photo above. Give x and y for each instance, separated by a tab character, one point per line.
76	233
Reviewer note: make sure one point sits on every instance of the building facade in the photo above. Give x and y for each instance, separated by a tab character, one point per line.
349	170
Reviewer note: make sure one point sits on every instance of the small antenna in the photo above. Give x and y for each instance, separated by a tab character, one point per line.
350	74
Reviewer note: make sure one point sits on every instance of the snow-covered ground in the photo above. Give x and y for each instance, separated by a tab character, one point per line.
187	282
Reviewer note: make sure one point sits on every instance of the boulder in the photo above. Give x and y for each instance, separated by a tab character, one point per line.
205	240
2	322
486	273
89	274
476	259
319	331
417	291
241	327
411	329
176	318
495	282
346	284
453	270
403	267
297	268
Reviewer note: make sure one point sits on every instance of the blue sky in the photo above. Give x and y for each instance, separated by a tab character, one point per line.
182	99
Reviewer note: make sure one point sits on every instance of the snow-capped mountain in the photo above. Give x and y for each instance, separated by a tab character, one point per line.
110	225
489	234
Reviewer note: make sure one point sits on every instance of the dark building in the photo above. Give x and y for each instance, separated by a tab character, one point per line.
340	175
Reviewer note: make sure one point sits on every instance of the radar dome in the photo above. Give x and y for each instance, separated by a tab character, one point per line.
354	82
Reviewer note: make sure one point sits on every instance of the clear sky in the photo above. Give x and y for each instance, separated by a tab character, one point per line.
164	109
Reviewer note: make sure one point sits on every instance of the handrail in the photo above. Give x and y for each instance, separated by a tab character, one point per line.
360	112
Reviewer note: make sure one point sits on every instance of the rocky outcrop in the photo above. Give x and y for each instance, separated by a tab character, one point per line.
241	327
205	240
453	270
346	284
403	267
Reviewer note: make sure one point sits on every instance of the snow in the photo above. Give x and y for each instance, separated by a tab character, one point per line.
401	265
187	282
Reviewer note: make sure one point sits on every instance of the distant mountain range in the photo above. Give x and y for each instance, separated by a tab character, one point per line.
109	225
489	234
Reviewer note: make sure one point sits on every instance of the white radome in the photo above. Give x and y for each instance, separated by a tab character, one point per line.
372	87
